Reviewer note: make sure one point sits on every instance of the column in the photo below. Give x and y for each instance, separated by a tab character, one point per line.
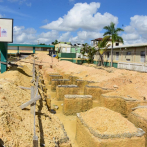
33	50
3	48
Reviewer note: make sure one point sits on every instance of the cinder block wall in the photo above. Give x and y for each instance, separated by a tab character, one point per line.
74	104
62	90
96	92
56	82
54	77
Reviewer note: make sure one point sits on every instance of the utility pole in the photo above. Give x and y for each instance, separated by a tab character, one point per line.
38	41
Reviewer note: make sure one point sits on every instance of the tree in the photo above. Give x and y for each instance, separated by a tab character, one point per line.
112	32
42	44
90	50
91	53
102	47
55	42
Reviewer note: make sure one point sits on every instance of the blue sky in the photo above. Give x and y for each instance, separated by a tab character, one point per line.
76	21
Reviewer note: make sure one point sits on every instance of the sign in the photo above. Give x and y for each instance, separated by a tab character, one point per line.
6	30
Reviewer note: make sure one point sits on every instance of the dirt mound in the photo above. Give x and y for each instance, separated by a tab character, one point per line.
106	121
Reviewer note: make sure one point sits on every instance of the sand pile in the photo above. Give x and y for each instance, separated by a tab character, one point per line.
105	121
16	125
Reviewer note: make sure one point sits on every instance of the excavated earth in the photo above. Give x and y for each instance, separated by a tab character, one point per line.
16	125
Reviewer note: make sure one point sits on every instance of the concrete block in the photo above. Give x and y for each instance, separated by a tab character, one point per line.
51	77
62	90
56	82
74	104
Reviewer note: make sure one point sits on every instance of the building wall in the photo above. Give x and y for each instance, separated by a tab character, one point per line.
130	55
64	47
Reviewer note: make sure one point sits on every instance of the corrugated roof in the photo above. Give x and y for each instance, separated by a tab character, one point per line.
30	45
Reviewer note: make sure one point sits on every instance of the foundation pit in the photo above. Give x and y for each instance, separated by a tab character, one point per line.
96	92
62	90
56	82
99	127
82	83
119	104
51	77
73	79
74	104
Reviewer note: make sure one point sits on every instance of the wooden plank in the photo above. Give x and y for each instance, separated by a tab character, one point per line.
24	87
32	97
30	102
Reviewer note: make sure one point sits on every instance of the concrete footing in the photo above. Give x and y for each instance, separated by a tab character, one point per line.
74	104
62	90
51	77
56	82
96	92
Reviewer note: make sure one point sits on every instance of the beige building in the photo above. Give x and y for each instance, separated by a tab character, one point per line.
63	47
133	57
95	42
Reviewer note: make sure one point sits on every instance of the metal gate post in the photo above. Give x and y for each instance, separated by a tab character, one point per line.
3	48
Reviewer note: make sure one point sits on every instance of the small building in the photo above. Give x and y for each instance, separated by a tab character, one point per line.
63	47
29	48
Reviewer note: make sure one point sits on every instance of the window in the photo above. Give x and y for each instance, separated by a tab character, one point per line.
128	53
117	55
142	54
117	44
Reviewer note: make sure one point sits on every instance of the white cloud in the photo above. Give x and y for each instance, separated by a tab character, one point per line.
29	4
22	35
1	16
45	21
85	36
136	32
84	16
64	37
29	35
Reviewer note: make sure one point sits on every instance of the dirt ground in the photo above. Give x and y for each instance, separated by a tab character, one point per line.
18	123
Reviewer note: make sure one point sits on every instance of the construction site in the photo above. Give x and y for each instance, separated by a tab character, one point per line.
53	103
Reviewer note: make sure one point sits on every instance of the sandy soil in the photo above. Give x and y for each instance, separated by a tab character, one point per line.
141	112
125	83
16	125
106	121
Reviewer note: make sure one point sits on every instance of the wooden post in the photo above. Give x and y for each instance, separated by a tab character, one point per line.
145	55
32	97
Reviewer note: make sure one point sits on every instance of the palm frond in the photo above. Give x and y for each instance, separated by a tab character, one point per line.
119	30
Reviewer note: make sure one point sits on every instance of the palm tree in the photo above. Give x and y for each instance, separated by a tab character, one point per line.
84	49
102	47
112	32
